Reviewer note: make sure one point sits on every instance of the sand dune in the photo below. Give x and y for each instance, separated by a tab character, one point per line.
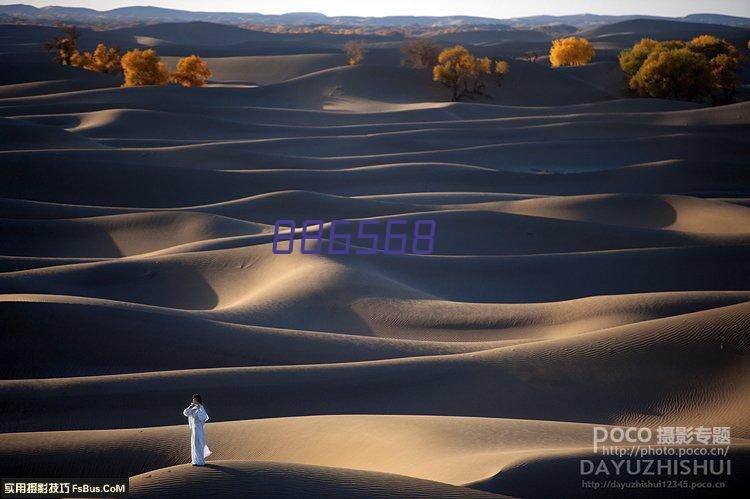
53	87
631	31
453	450
675	213
175	336
589	267
603	75
118	235
400	84
516	228
707	370
192	33
491	37
21	135
231	478
265	70
150	186
457	450
221	277
441	326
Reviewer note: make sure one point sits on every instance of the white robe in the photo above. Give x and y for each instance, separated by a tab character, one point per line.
197	416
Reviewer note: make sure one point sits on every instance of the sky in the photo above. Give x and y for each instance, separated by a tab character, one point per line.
485	8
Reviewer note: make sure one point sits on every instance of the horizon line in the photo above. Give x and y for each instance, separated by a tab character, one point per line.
373	16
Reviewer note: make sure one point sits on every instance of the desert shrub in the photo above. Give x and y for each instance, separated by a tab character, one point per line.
419	53
144	68
454	70
463	73
724	60
724	71
631	60
501	69
80	60
191	71
653	68
63	48
570	51
674	74
104	60
355	51
673	44
711	47
482	67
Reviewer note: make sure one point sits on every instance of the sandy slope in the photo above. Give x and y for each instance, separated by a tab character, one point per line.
706	369
453	450
630	32
264	70
255	478
590	268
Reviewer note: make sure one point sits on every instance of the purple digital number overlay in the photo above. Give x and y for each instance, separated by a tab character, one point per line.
390	236
363	236
289	237
306	237
429	237
395	242
335	239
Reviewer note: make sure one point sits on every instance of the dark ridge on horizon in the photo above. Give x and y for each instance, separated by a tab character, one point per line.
40	15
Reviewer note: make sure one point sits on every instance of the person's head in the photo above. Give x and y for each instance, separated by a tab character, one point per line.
197	399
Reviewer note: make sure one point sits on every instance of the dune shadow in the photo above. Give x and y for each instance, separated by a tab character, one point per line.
57	238
225	469
652	212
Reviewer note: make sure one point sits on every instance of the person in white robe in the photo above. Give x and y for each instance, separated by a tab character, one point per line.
197	417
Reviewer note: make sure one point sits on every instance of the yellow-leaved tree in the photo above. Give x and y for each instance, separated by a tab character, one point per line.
482	67
571	51
463	73
80	60
675	69
144	68
501	69
64	47
632	59
105	59
192	71
454	68
674	74
723	59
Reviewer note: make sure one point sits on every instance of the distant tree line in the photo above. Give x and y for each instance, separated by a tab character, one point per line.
410	31
704	68
138	67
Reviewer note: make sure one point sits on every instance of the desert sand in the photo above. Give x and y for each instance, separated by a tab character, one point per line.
590	268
